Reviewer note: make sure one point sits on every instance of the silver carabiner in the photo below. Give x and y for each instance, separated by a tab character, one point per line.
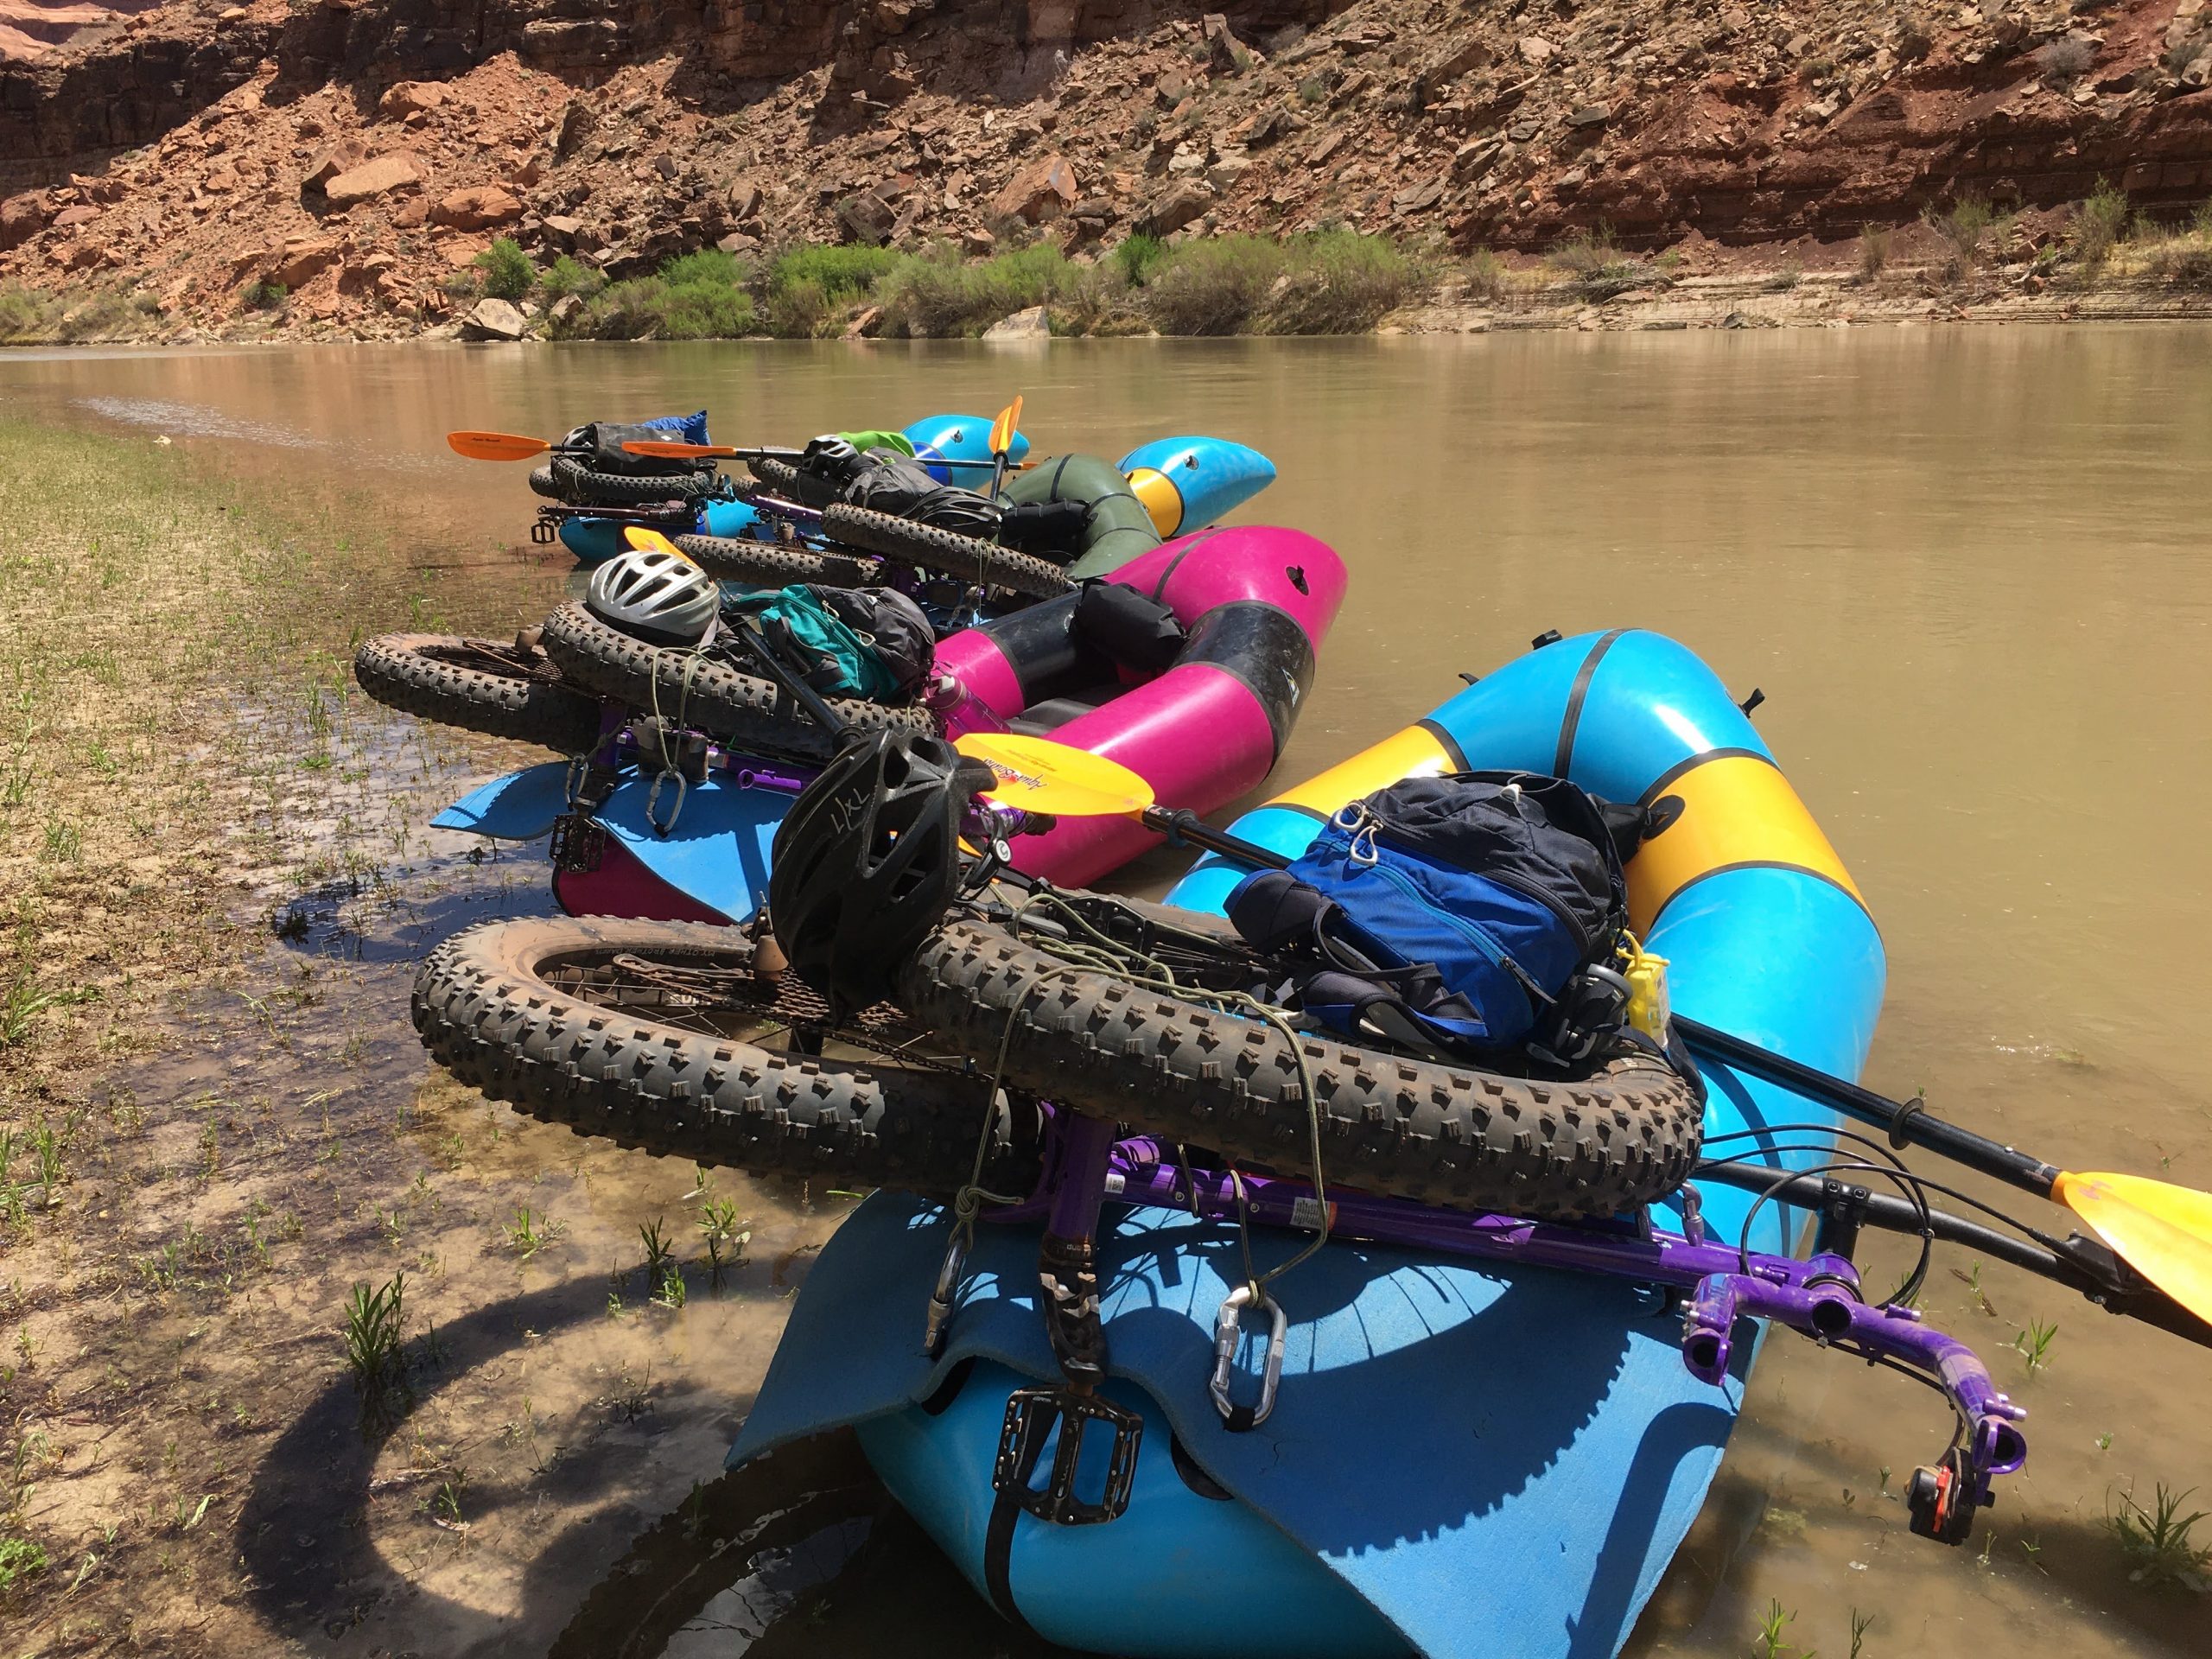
948	1282
1226	1337
1356	821
652	795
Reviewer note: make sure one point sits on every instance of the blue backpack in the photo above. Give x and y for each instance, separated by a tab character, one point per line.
1447	912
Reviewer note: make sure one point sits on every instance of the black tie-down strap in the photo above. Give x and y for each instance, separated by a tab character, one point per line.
1067	1268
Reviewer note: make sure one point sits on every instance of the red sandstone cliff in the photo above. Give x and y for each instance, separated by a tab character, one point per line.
357	151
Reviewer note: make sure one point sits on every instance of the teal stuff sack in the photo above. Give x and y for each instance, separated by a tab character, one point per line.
871	643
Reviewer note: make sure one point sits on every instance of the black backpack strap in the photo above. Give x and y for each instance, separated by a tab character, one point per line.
1275	911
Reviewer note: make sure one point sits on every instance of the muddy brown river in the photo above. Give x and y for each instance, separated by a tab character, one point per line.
1968	567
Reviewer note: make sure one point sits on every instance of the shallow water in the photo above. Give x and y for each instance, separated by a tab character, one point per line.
1967	568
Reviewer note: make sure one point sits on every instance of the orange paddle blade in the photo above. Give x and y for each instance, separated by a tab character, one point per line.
655	447
1004	427
495	445
1039	775
2163	1231
651	541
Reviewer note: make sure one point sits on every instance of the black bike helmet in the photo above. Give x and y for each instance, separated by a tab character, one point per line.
656	595
868	860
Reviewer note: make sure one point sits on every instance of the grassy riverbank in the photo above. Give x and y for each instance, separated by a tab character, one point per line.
215	1124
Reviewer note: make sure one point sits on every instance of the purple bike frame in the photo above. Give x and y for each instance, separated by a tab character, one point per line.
1718	1285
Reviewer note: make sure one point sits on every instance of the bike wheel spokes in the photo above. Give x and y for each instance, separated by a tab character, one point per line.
721	996
487	656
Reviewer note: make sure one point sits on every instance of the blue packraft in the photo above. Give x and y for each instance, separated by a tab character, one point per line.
1451	912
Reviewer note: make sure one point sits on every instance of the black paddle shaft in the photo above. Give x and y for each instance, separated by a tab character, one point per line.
1184	825
807	697
1908	1123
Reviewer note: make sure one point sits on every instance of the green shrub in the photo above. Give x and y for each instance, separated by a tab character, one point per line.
566	276
1337	282
1587	253
1963	226
934	294
104	314
1485	275
798	310
2066	60
705	268
706	311
19	1559
2097	225
697	295
1135	257
1211	286
2182	258
26	314
264	296
508	273
1333	282
838	274
1874	251
627	310
806	288
32	316
1096	299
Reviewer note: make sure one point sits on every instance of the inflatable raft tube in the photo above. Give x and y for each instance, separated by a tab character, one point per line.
1255	603
941	438
1493	1461
1185	483
595	541
1118	529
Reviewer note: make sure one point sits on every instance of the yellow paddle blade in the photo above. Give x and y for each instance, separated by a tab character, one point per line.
495	445
2163	1231
1004	427
1041	776
679	451
651	541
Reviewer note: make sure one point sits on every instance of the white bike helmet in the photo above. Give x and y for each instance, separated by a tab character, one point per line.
656	595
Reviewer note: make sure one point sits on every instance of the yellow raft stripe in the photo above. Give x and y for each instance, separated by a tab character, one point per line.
1737	809
1414	752
1161	498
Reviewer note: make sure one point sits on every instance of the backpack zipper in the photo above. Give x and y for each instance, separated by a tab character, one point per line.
1529	889
1370	829
1479	936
